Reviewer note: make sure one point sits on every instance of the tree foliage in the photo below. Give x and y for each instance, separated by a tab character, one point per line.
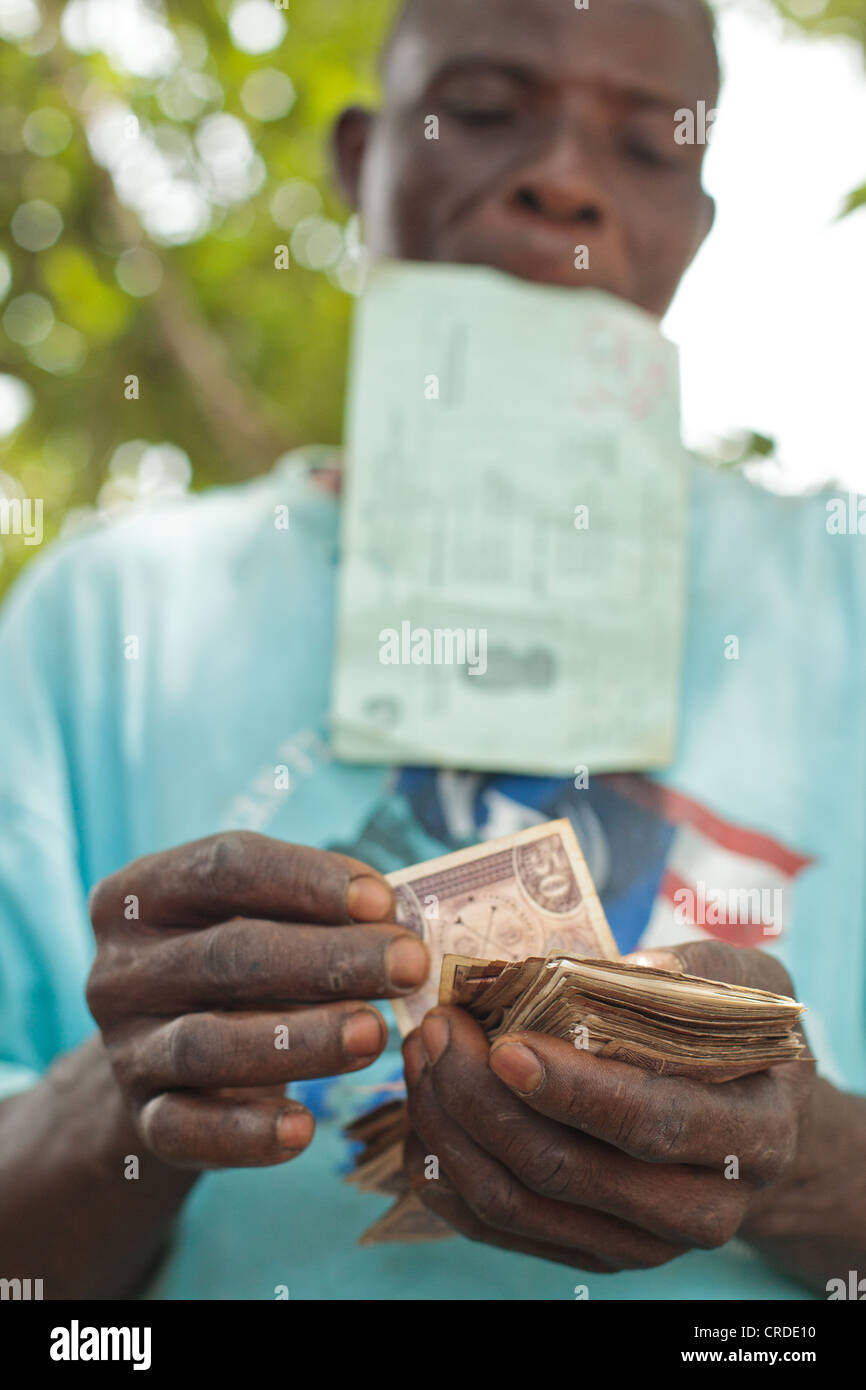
236	361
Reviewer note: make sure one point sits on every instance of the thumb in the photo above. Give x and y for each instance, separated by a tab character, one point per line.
715	960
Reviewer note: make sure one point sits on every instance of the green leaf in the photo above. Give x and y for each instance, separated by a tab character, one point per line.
855	199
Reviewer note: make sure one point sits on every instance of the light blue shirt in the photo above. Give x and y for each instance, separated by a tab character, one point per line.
107	755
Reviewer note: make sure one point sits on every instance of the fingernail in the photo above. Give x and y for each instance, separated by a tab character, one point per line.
517	1066
655	960
435	1034
408	963
362	1034
414	1061
369	899
294	1129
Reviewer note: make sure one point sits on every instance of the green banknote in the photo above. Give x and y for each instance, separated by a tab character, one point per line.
514	527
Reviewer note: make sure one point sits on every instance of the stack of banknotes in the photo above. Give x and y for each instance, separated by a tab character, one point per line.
676	1025
519	939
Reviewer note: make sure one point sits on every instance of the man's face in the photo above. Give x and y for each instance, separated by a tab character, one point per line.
556	130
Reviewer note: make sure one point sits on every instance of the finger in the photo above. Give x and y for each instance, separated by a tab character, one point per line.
246	963
684	1205
441	1198
714	960
656	1119
243	874
500	1201
202	1131
205	1050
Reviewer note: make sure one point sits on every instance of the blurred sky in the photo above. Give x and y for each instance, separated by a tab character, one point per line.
771	318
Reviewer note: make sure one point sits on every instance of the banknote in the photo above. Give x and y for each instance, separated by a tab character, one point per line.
407	1222
381	1133
526	894
513	528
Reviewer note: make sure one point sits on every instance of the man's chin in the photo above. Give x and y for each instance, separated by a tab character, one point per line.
541	270
556	275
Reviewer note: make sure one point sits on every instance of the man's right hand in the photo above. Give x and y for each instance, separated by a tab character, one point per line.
229	967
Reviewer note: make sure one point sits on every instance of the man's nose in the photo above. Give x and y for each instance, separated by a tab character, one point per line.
560	182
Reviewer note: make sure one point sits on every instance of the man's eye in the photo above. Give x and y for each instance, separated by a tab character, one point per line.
481	115
643	153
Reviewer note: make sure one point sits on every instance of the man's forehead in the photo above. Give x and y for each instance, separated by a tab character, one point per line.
663	45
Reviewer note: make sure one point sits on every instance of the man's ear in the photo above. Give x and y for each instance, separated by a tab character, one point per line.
348	144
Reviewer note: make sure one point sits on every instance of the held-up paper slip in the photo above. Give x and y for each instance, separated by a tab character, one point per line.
513	543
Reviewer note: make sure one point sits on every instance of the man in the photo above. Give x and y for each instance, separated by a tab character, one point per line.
155	676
